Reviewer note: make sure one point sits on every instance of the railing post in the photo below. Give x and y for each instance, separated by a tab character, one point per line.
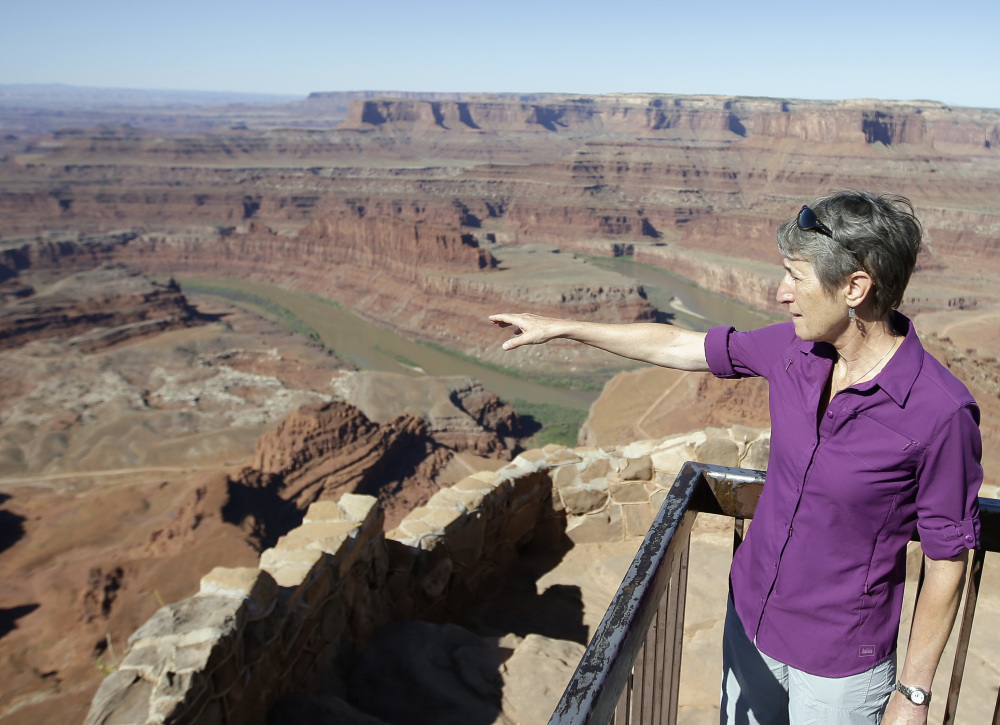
624	707
652	694
964	633
674	644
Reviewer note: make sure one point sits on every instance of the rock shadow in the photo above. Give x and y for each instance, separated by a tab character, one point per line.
514	605
666	318
255	505
428	673
318	710
9	617
529	426
11	526
421	673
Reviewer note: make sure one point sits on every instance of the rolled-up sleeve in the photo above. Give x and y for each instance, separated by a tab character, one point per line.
948	481
717	352
734	354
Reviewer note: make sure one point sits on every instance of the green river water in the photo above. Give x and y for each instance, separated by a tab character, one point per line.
371	347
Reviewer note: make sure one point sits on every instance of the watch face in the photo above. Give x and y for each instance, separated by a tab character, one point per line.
914	694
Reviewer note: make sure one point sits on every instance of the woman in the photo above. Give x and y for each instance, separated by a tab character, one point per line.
872	439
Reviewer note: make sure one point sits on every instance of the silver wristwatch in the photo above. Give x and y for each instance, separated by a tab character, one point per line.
914	694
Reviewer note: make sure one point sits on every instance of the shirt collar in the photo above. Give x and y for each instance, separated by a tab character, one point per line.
899	374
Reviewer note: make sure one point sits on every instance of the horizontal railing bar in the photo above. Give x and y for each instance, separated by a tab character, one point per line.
729	483
729	491
731	475
989	522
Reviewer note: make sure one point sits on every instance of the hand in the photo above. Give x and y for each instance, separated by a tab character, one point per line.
529	329
903	712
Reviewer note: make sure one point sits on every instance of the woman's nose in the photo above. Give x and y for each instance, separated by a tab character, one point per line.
784	292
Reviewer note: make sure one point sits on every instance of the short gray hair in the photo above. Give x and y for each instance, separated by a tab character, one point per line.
877	234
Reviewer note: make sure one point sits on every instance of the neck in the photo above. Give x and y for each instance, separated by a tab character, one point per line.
861	355
864	338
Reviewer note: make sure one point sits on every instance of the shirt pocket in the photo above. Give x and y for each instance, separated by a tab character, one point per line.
879	447
873	600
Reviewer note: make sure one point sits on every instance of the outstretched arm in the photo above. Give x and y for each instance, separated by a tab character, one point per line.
664	345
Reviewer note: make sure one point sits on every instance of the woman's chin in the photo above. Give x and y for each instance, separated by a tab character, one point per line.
802	330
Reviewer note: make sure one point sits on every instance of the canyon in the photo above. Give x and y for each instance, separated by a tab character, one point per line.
145	430
696	184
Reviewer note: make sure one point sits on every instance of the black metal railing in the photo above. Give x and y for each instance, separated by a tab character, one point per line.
630	672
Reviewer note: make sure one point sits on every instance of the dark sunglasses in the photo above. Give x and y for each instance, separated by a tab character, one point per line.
809	223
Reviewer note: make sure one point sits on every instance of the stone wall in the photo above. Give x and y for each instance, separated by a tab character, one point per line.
251	636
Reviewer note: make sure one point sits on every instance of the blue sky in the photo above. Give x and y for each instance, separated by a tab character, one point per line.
899	50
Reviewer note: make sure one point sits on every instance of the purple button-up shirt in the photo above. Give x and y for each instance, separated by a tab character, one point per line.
818	581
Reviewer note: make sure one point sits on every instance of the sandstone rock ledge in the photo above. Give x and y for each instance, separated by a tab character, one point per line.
295	624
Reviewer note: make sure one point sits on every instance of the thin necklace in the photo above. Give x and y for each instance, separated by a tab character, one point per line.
891	348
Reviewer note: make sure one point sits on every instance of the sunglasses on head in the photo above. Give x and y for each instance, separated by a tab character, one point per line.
809	223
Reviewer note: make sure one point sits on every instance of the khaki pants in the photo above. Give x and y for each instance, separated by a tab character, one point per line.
759	690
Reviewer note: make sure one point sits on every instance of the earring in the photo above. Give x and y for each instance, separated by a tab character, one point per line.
850	313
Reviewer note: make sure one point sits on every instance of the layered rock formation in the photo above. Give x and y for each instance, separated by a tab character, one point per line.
98	308
397	245
459	413
885	122
323	450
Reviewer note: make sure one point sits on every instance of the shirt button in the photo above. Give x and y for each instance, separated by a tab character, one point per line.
969	538
829	414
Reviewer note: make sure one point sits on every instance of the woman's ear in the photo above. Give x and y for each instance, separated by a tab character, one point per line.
857	287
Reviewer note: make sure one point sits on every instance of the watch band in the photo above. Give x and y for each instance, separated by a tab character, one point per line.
914	694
